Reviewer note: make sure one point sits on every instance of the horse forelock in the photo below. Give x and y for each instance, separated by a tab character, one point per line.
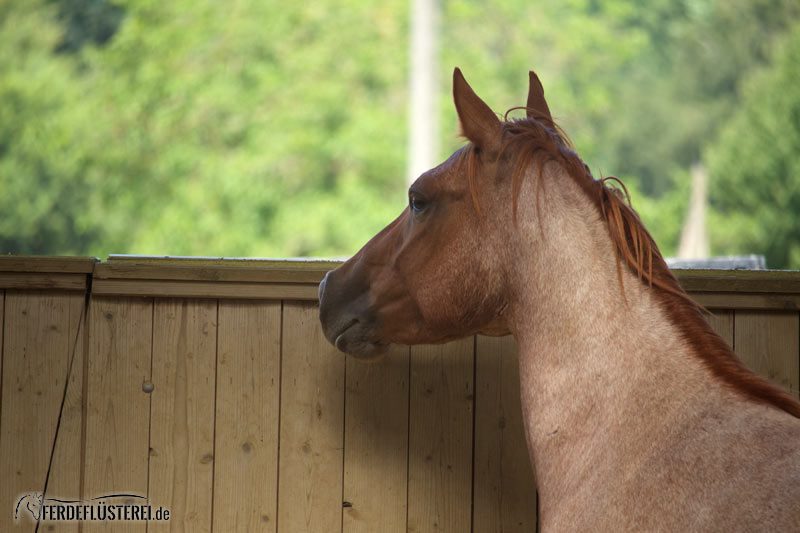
538	138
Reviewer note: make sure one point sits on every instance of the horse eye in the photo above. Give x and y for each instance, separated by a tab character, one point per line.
416	204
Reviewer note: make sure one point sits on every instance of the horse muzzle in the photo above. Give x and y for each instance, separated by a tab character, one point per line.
347	319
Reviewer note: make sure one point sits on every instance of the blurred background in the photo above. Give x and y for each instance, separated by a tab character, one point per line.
258	128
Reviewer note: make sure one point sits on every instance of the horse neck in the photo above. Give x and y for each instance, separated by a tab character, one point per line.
593	362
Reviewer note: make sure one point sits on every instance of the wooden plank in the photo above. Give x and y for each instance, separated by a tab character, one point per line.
311	271
248	394
65	478
721	321
297	263
118	409
201	289
272	272
44	281
33	263
308	291
440	437
36	349
182	412
2	328
731	300
702	280
504	486
376	444
767	342
311	427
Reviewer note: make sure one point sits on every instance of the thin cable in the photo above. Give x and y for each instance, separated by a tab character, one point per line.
61	411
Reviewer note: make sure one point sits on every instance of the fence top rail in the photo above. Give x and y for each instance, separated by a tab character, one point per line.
220	270
47	264
296	262
711	280
217	269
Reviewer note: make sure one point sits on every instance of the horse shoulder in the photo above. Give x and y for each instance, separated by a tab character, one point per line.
736	467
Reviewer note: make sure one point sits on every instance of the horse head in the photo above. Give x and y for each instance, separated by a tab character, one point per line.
437	272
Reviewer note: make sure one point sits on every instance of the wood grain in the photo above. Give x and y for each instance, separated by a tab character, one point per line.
250	271
747	300
505	489
65	477
311	425
118	410
205	289
440	437
2	328
376	443
767	342
294	264
34	263
43	281
182	412
709	280
247	414
37	344
722	322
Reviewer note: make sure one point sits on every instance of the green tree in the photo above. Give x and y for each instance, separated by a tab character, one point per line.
686	82
86	21
42	161
755	165
266	128
207	128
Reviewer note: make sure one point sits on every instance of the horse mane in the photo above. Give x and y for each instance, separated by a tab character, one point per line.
539	138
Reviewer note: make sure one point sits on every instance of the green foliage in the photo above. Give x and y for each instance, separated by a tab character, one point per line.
41	160
206	128
265	128
686	82
755	165
86	21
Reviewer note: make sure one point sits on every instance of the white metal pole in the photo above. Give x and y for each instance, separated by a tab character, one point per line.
423	144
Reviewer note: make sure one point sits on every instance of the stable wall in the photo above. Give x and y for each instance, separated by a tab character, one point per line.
207	387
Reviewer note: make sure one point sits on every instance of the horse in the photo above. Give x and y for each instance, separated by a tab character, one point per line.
637	415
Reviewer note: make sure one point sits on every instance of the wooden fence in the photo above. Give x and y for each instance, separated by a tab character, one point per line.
208	388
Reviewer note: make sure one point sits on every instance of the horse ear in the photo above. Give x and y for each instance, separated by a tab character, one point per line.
537	106
479	124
